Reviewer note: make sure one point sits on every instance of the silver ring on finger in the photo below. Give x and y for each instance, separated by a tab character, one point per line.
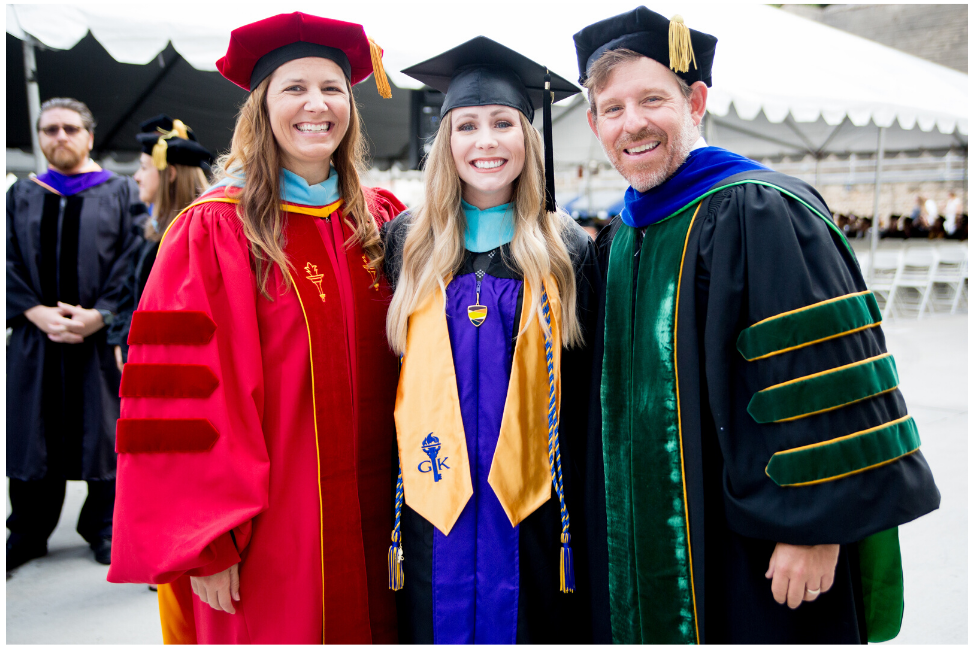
813	592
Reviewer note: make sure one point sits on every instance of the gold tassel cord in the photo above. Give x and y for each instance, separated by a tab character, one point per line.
680	46
382	83
179	129
159	152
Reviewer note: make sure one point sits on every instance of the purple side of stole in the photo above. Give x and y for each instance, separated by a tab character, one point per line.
475	568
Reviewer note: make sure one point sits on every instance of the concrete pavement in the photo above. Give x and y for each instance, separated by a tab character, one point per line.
64	597
932	360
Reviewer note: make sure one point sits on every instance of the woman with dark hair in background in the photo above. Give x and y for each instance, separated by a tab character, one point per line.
171	176
255	444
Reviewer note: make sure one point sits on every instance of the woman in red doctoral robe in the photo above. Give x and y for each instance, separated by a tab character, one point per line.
255	444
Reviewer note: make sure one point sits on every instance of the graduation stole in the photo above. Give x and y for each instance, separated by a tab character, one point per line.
430	431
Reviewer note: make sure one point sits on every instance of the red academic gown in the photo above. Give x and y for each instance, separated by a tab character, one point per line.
260	431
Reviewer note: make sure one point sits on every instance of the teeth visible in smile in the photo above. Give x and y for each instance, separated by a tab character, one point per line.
643	148
313	127
485	165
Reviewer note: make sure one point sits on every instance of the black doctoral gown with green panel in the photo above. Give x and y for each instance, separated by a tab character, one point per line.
748	398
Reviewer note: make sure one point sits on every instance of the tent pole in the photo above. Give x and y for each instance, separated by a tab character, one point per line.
964	181
33	103
876	220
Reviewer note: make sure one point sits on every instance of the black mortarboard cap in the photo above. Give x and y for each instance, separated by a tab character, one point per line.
484	72
648	33
169	140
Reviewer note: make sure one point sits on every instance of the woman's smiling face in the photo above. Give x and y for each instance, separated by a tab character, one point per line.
309	110
487	143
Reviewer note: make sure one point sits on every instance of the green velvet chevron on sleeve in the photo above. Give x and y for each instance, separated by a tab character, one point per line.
809	325
844	456
824	391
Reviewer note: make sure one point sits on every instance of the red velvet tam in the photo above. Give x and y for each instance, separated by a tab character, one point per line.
258	49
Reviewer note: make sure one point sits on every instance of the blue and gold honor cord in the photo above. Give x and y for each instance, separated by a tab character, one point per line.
566	565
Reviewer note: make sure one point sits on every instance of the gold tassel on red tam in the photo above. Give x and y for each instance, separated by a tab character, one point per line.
382	83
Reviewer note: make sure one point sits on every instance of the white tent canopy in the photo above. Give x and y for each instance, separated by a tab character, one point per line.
770	65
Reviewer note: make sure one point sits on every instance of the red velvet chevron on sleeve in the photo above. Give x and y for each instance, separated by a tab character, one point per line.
168	380
171	328
165	435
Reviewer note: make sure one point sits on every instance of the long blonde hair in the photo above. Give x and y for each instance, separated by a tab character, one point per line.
173	196
434	246
255	151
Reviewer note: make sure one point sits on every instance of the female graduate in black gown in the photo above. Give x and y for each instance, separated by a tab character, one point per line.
494	300
171	176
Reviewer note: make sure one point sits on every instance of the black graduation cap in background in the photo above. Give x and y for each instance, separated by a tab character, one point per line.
484	72
687	52
169	140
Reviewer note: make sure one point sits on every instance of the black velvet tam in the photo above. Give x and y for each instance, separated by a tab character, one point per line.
646	32
184	152
484	72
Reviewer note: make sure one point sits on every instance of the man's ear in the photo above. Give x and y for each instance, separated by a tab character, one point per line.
592	123
90	141
697	102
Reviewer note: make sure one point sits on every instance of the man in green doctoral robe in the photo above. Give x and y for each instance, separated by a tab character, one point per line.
756	452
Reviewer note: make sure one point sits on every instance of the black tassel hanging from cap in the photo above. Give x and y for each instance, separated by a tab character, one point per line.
549	158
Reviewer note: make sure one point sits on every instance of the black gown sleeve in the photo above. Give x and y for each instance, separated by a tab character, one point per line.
394	235
118	331
801	391
20	294
544	613
126	246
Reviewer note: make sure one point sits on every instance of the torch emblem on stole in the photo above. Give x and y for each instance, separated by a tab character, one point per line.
431	446
314	276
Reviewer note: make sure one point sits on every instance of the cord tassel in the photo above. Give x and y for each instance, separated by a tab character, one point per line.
395	556
159	152
395	562
567	567
680	46
179	129
549	159
380	74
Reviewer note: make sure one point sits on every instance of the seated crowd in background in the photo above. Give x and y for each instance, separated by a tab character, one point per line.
924	221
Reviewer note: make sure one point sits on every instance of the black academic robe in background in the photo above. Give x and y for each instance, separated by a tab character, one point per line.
139	269
754	252
62	400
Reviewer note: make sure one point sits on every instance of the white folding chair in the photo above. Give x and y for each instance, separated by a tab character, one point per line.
882	278
961	298
913	284
948	282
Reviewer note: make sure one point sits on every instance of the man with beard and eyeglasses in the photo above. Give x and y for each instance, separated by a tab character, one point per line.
756	457
69	235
